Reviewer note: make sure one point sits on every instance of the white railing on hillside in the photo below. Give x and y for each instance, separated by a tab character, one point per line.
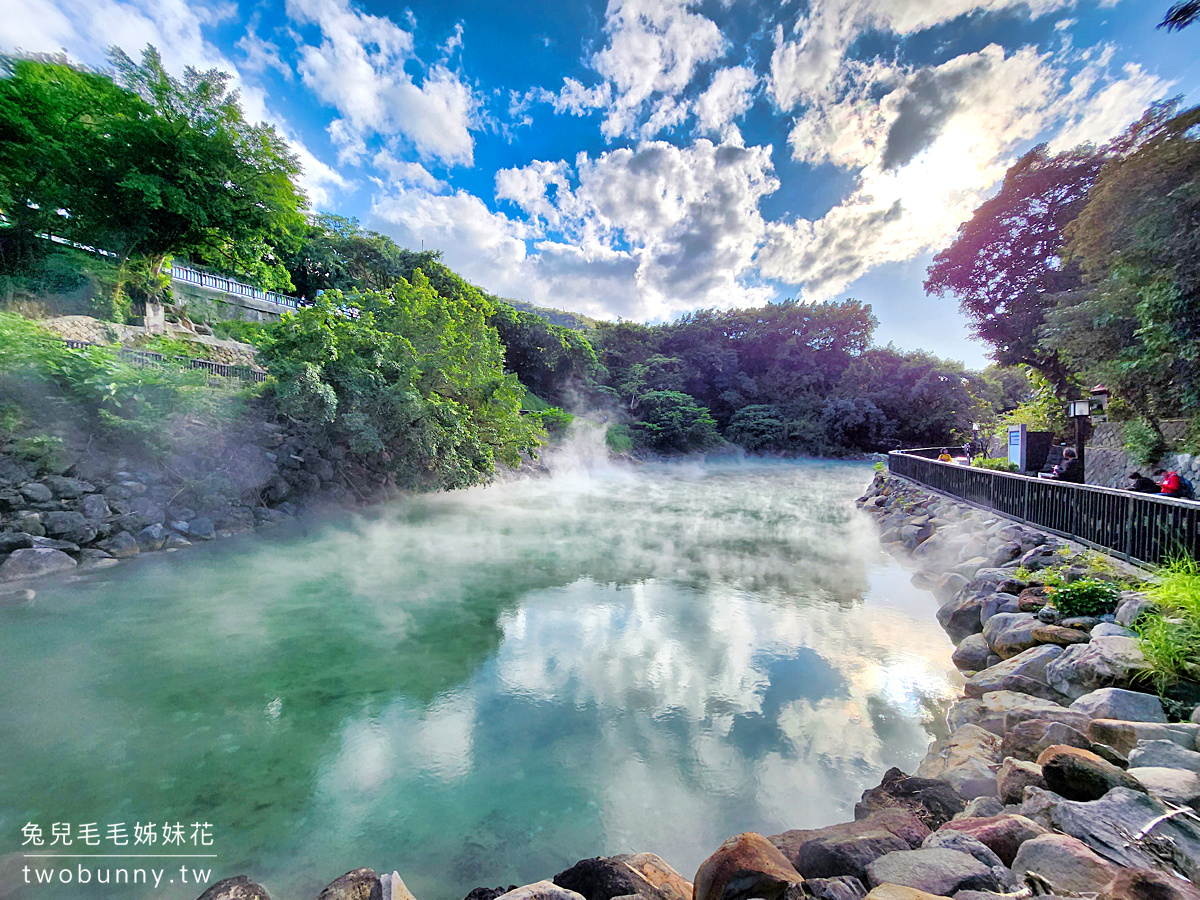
188	275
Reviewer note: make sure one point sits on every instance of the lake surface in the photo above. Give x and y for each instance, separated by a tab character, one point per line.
481	687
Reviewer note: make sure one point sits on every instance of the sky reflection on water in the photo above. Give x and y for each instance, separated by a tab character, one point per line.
484	686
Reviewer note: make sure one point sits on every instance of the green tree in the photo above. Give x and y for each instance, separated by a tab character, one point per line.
672	422
409	378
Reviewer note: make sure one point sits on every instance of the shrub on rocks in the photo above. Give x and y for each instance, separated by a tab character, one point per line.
746	866
1078	774
1064	863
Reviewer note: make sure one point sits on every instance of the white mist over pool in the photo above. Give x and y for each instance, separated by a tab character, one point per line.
483	687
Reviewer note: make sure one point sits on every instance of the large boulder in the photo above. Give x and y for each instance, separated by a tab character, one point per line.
960	841
1124	736
540	890
1002	834
930	800
358	884
1178	786
966	759
999	711
35	562
1104	662
1078	774
844	887
1106	825
846	849
971	654
1028	739
239	887
655	870
36	493
14	540
1064	863
1117	703
1060	635
68	526
1147	884
937	871
95	509
1166	754
745	866
603	878
948	586
1029	663
1014	775
68	488
1010	633
121	545
959	616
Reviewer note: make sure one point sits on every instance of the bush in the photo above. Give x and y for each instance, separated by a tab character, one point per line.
618	439
240	330
1170	638
1086	597
996	464
1143	442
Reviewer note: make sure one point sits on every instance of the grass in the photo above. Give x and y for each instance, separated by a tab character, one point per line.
1170	638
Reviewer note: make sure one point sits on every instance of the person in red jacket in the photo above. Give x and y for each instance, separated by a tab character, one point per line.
1169	483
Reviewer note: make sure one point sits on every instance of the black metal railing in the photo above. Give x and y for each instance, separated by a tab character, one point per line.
147	358
1142	528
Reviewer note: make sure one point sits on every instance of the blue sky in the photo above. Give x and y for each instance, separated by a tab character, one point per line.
642	158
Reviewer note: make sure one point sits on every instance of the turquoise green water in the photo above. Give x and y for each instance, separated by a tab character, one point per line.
479	687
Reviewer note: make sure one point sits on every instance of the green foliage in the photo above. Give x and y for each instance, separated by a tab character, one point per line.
1170	637
672	422
411	375
1144	442
757	428
618	439
1041	412
1085	597
879	467
554	420
550	360
995	464
254	333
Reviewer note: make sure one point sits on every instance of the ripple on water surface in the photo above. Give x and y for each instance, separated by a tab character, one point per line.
480	687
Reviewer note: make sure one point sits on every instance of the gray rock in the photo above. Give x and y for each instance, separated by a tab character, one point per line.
541	890
63	522
34	562
603	878
1040	558
359	884
959	616
55	544
999	711
1167	754
175	542
29	522
239	887
1078	774
1124	736
960	841
1014	776
1029	663
121	545
1005	553
1131	608
14	540
95	558
836	851
1105	662
1178	786
151	538
1083	623
1065	863
966	759
36	493
982	807
844	887
1111	629
936	871
1106	824
948	586
1027	740
1117	703
68	488
1010	633
971	655
15	596
998	603
201	528
95	508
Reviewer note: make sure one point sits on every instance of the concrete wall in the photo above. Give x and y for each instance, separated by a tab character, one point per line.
206	304
1108	463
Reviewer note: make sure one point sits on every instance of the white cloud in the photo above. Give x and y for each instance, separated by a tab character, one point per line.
407	173
359	67
654	49
810	65
728	96
262	55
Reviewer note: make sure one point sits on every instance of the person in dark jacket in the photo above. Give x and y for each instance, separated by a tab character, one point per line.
1071	468
1141	484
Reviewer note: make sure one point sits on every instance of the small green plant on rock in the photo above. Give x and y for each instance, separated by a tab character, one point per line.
1085	597
1170	636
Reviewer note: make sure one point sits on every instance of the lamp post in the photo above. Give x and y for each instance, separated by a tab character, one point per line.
1079	410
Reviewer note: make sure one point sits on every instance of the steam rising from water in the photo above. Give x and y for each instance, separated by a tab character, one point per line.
485	686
